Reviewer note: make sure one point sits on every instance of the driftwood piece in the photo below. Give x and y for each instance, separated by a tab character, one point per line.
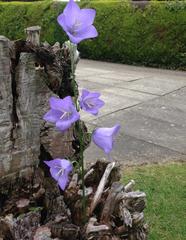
111	202
129	186
96	171
101	186
93	228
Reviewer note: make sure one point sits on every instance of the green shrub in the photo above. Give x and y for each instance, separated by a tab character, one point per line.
155	36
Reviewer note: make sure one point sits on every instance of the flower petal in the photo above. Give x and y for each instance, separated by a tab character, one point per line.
90	102
63	105
105	143
86	17
75	116
69	168
68	104
63	125
57	165
72	12
94	111
64	163
92	95
104	137
116	129
53	169
85	93
99	103
63	181
62	22
89	32
52	116
56	103
77	23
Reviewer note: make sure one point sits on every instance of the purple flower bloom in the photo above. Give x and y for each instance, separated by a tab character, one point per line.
60	169
77	23
104	137
90	102
63	113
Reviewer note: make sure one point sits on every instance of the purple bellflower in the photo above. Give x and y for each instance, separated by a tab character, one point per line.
90	102
77	23
59	170
104	137
63	113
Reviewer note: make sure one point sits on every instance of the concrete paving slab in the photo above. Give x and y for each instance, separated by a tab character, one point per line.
149	129
91	86
129	150
141	97
121	76
102	81
84	72
114	103
154	85
164	110
177	99
129	69
124	99
151	111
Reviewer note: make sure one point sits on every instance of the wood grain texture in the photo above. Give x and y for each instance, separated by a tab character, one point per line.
27	80
6	106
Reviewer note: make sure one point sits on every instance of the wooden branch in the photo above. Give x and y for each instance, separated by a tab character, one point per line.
111	202
92	228
134	201
33	35
101	186
74	181
138	218
133	195
129	186
125	215
89	173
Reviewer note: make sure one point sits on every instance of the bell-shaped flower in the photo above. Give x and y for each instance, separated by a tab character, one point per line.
60	170
104	137
77	23
63	113
90	102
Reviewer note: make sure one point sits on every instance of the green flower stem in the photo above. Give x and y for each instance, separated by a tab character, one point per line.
80	133
82	171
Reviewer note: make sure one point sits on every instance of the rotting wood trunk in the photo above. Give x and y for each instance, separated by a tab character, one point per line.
29	74
32	206
40	211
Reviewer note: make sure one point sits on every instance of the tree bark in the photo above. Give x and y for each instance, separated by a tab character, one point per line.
30	73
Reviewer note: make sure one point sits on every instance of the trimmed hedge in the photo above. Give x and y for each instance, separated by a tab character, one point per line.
155	36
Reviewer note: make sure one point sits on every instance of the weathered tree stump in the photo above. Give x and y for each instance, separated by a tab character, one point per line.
32	206
29	74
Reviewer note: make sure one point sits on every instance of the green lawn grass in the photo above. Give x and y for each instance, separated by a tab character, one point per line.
165	186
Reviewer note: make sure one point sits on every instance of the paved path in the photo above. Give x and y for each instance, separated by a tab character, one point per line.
150	105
